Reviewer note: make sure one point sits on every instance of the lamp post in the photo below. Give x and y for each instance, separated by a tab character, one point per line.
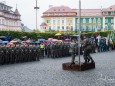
36	8
79	30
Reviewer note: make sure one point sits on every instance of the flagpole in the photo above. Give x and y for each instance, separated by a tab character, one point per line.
79	31
36	8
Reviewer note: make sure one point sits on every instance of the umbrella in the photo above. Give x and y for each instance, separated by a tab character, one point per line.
58	34
50	39
54	40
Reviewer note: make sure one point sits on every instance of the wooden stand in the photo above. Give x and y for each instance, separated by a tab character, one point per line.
77	67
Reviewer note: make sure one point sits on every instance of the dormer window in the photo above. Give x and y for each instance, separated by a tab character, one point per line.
54	10
63	9
58	9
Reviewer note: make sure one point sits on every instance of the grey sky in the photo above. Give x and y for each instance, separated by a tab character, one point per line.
26	7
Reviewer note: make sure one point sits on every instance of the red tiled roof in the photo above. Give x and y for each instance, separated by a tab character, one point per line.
43	24
60	9
111	8
90	12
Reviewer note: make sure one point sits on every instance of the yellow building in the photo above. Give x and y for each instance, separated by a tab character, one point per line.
60	18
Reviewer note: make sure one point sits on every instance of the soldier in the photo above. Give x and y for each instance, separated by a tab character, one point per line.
72	50
48	50
87	50
42	46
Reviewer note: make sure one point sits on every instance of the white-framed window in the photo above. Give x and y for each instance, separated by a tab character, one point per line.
90	20
53	21
48	21
62	27
94	20
84	27
69	21
106	20
84	20
106	27
54	27
62	21
112	26
49	27
58	21
112	20
90	28
67	27
112	13
77	20
58	27
99	20
71	28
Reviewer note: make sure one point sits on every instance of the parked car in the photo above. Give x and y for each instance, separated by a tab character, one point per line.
39	41
16	41
3	40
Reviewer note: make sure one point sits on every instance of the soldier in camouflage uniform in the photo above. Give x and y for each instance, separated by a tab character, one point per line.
87	50
73	50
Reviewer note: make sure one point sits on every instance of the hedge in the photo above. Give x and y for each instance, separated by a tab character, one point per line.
34	35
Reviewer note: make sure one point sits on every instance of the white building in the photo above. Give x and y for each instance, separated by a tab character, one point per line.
9	20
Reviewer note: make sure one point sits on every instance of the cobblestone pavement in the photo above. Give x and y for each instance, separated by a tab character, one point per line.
48	72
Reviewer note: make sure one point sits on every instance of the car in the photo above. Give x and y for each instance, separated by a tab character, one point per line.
3	40
40	41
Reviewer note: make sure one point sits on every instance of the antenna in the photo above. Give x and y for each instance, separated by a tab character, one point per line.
16	6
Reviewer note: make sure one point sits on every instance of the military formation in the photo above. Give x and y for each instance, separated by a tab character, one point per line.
57	49
18	54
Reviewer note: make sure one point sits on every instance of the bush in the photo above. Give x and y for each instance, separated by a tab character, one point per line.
34	35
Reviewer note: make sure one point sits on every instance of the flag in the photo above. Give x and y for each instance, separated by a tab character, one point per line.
108	36
113	36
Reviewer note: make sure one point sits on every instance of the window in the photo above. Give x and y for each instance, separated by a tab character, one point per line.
112	20
63	27
99	20
54	27
112	13
106	13
106	20
58	27
48	21
77	20
90	28
69	21
71	28
112	26
106	27
49	27
67	27
84	27
94	20
90	20
84	20
62	21
58	21
53	21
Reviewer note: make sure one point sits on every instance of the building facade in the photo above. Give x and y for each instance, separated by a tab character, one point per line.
66	19
59	18
9	20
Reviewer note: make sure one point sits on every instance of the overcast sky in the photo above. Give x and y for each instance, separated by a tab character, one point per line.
26	7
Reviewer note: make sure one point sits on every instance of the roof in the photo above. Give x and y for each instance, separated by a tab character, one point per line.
59	9
43	24
90	12
17	12
111	8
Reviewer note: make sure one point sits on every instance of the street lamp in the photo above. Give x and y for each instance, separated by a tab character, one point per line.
36	8
79	30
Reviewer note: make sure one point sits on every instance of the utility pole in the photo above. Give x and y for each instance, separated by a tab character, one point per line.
79	30
36	8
